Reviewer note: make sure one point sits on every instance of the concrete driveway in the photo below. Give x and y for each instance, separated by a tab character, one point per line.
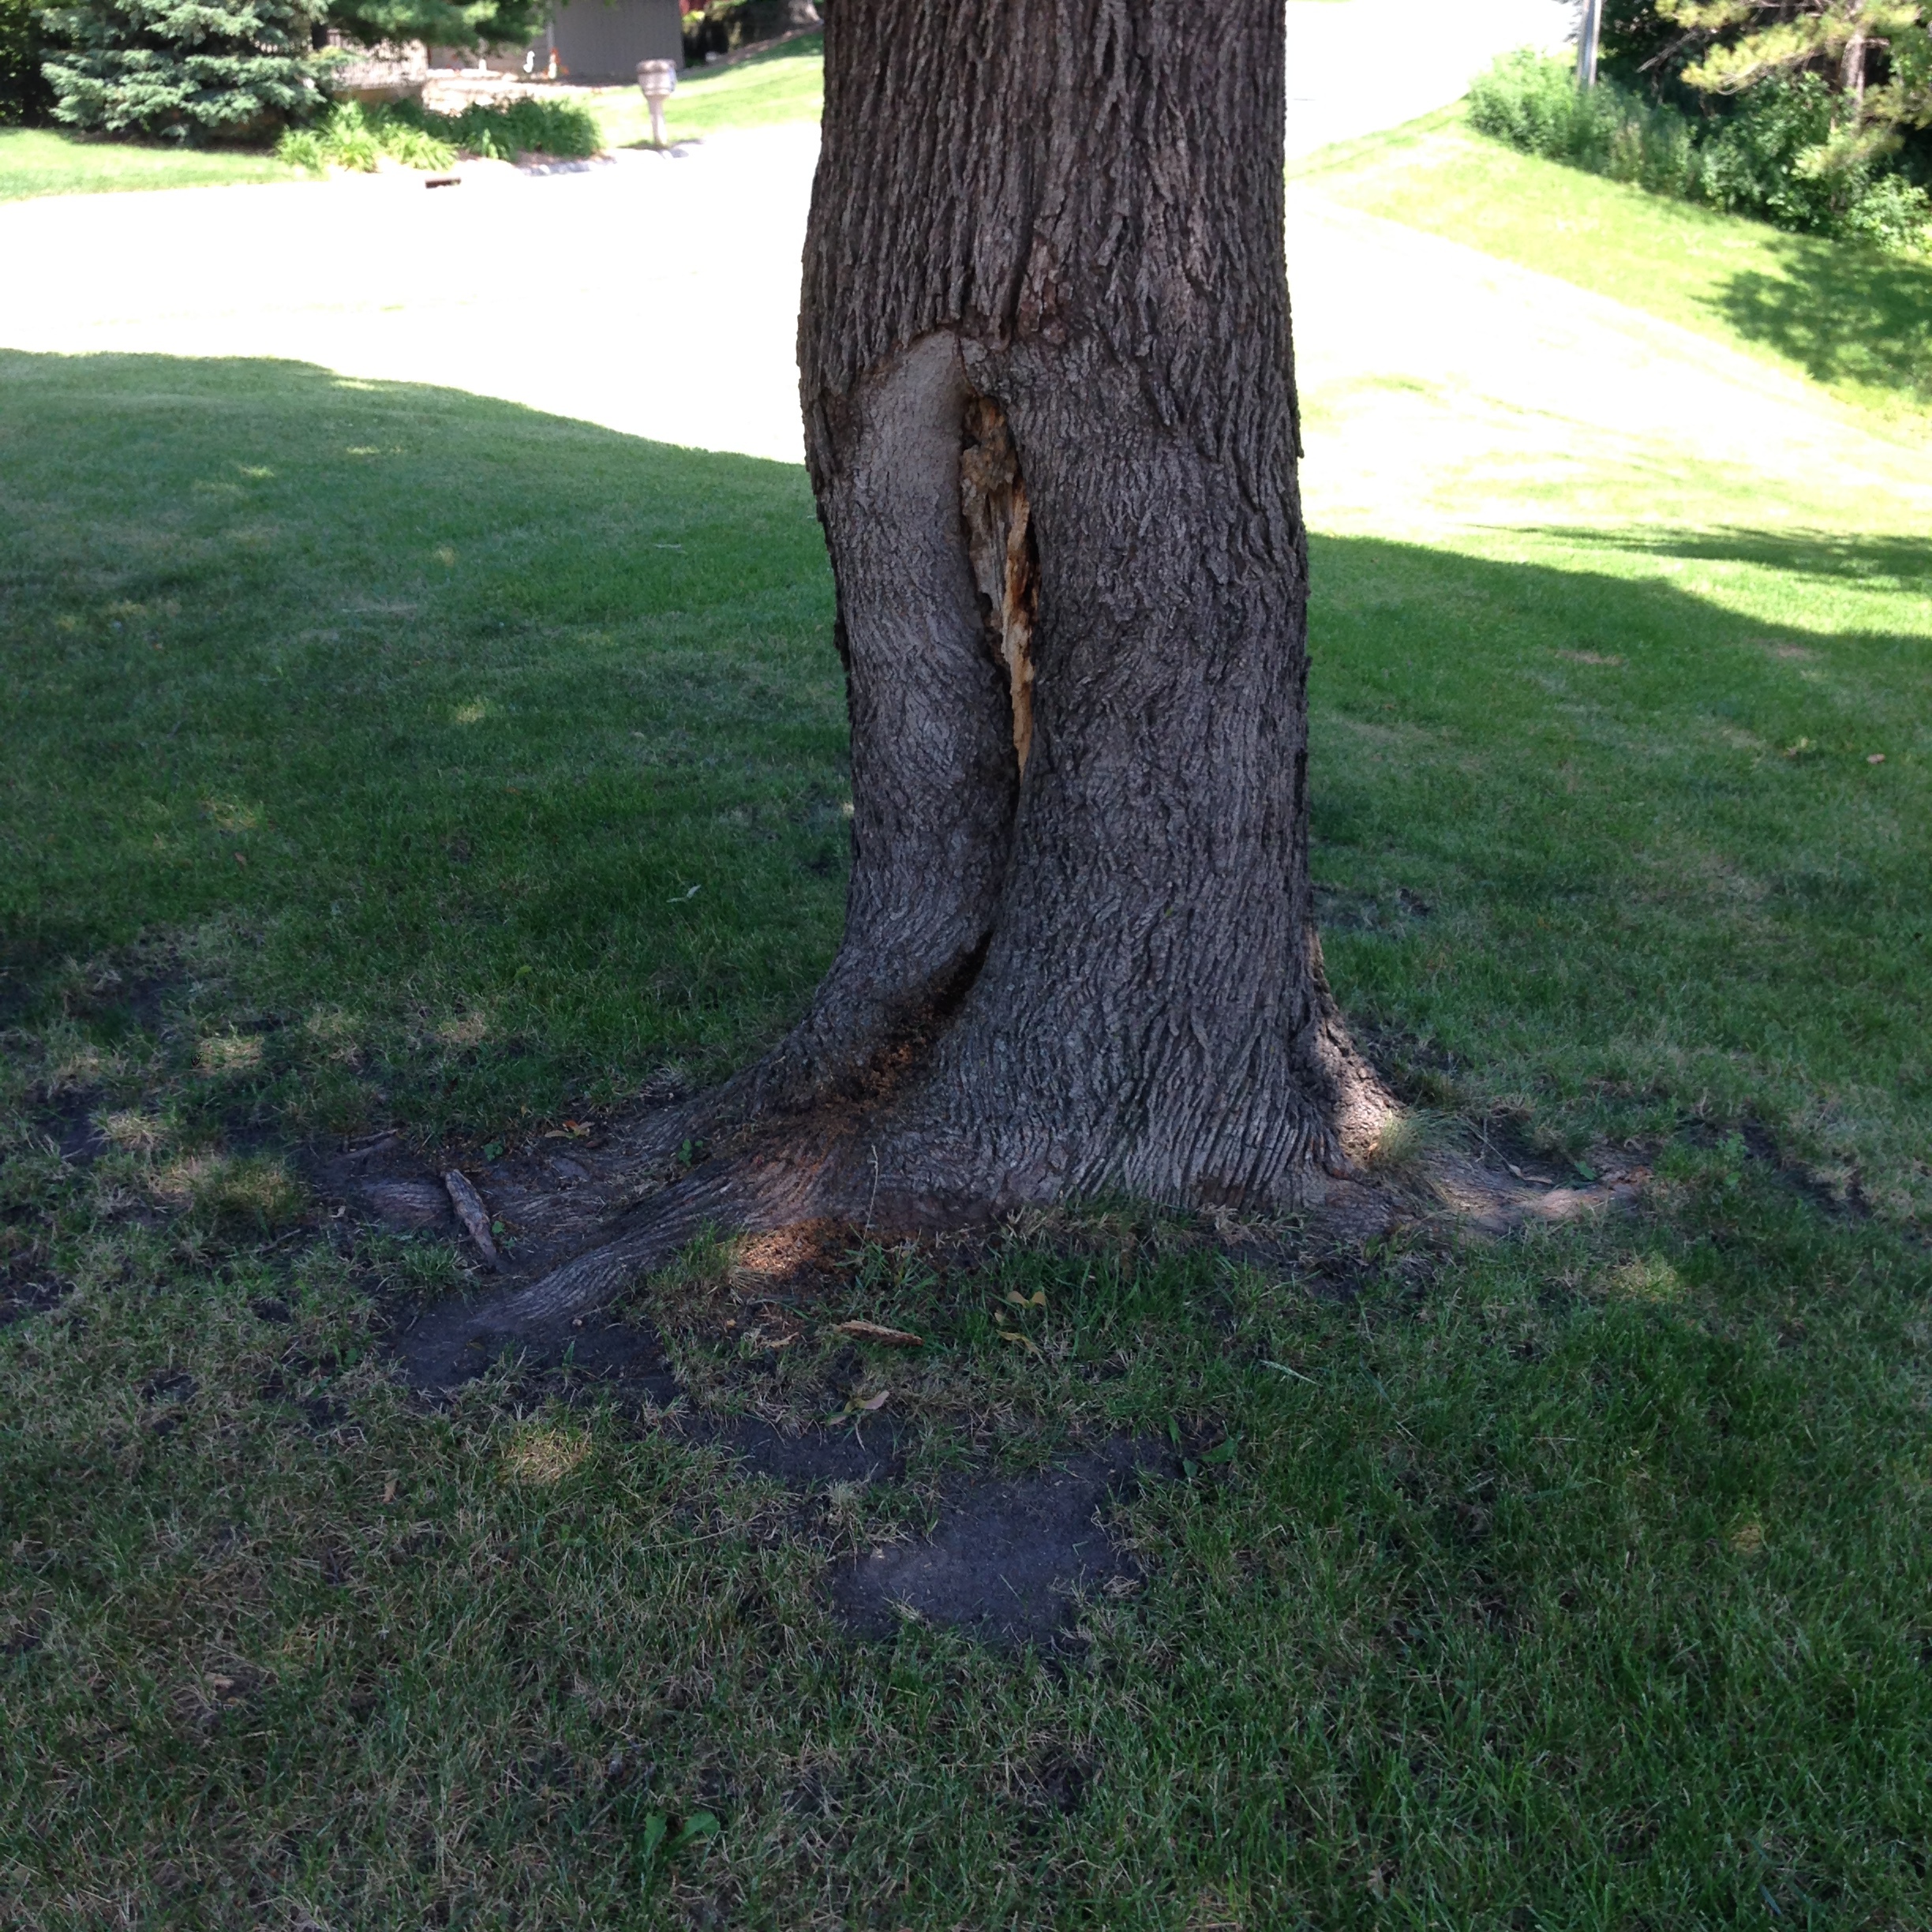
653	294
656	295
1357	66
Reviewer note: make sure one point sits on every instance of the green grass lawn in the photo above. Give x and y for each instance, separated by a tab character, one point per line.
761	90
785	85
40	161
1857	321
365	745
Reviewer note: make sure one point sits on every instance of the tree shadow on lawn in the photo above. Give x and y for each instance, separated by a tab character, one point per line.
1880	561
1842	313
1533	748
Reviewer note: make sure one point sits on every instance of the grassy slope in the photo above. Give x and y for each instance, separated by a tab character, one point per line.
40	161
1857	322
1577	1582
787	83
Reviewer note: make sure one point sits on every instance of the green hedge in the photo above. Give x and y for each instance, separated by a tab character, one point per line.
1772	155
360	138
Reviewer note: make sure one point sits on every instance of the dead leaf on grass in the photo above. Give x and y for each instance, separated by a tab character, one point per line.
855	1410
876	1331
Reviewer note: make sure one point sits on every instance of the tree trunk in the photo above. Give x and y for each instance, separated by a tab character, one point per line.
1851	68
1051	423
1050	417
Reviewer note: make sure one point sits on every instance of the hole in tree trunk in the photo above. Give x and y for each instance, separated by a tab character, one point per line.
999	539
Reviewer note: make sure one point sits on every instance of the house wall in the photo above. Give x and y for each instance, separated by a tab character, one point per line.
597	41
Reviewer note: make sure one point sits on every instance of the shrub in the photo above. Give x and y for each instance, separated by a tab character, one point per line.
502	131
184	70
1778	155
1774	155
24	95
1532	101
359	138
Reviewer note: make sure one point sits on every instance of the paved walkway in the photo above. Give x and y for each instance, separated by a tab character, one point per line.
657	295
1358	67
653	293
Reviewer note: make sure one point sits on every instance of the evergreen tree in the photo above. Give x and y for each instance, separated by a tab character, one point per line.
1640	48
1859	71
1873	56
183	70
24	94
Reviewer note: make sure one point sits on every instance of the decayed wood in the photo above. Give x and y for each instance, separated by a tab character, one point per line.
999	544
474	1214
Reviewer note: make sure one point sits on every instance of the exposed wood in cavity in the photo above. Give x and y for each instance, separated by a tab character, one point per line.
999	539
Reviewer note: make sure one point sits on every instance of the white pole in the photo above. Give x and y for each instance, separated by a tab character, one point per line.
1590	30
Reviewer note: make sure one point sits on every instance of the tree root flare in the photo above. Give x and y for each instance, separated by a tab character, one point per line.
821	1171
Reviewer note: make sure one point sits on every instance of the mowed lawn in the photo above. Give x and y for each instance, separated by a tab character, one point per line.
784	84
1853	320
47	161
384	756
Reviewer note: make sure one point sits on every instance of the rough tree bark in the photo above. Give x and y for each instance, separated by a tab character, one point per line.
1051	424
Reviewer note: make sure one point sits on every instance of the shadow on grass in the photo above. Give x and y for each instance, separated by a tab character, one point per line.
808	45
1842	312
514	747
1878	562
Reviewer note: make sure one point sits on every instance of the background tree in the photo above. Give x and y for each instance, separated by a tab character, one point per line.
1873	58
1640	48
1826	90
198	70
182	70
1742	43
1810	113
24	95
440	23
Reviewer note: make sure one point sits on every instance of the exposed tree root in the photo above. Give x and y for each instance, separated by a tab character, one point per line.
827	1166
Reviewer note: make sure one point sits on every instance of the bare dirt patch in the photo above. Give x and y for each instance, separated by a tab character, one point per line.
1007	1561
